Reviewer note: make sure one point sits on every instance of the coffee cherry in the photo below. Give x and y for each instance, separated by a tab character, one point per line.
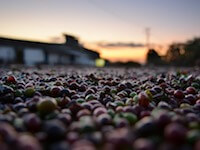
56	91
11	79
32	122
26	141
143	144
191	90
179	94
55	130
175	133
132	118
29	92
100	110
143	99
46	106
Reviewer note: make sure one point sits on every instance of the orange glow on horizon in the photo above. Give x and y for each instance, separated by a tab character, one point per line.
122	54
125	54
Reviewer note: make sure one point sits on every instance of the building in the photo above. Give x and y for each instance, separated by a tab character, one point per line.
33	53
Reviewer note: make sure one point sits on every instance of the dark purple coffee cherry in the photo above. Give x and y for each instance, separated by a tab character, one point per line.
32	122
175	133
55	91
191	90
179	94
55	130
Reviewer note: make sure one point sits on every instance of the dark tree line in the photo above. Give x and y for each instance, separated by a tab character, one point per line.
178	54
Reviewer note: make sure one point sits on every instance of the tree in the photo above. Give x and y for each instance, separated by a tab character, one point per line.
184	54
153	57
175	53
192	51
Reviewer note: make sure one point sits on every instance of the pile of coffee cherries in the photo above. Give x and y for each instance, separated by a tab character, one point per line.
62	108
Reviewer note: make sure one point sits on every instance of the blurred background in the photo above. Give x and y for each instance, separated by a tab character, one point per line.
100	32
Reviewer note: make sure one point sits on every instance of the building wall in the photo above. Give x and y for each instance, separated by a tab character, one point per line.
7	54
33	56
84	60
53	59
65	59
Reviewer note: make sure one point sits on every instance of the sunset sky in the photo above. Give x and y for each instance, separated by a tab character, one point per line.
115	28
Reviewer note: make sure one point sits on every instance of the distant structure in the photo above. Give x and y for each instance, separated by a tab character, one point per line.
147	32
34	53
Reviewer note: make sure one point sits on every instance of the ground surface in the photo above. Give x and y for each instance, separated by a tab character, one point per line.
59	108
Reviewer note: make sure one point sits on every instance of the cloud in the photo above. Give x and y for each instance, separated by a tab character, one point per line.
119	44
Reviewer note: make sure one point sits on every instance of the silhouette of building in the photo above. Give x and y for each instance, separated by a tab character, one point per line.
33	53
